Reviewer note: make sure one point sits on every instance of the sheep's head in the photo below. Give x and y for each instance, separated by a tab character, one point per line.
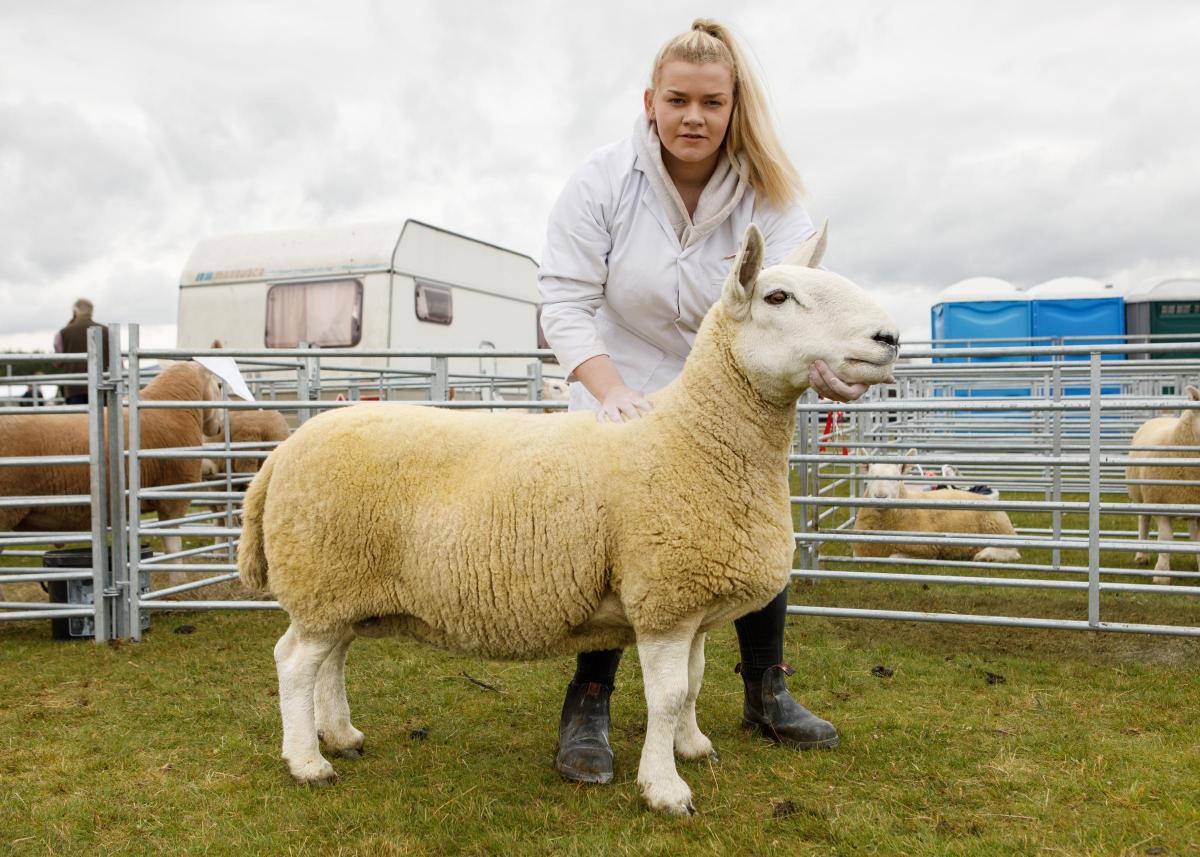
210	418
792	314
883	479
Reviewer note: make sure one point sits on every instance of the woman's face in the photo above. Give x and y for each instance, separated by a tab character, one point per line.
691	108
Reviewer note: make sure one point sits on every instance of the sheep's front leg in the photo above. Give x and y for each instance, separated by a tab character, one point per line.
664	660
1165	534
298	659
167	511
690	742
332	709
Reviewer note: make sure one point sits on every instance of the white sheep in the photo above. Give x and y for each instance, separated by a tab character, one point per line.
885	482
1182	431
516	536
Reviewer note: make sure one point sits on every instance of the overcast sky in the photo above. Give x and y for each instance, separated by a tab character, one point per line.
942	139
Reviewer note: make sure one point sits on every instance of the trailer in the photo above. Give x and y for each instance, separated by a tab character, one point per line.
402	286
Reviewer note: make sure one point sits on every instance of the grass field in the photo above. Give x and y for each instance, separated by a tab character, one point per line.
981	741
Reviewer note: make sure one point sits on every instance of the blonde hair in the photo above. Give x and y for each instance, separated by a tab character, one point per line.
751	138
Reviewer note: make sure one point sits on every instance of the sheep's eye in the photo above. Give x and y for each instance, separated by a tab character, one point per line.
776	298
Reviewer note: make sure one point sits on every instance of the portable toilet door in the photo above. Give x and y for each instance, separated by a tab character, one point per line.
982	312
1164	307
1069	308
980	308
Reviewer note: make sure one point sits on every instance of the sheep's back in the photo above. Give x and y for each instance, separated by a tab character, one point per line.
485	528
1162	431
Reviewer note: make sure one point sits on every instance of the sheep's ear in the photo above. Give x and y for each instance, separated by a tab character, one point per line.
216	343
810	253
739	285
1193	393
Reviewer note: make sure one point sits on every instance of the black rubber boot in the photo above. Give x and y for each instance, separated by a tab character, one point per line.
583	751
775	713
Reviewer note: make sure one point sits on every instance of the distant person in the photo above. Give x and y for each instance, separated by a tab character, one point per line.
72	339
32	397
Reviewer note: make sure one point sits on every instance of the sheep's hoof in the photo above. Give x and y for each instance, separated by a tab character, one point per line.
696	749
314	773
1160	580
1141	559
673	798
349	753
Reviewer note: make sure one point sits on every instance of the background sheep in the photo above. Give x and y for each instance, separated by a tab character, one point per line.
885	482
1183	430
67	434
516	536
246	427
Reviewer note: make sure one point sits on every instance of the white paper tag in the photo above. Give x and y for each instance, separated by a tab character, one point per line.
226	369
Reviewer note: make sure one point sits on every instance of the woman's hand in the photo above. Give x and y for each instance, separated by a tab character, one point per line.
828	384
621	404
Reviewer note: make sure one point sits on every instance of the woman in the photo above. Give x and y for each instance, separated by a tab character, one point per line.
638	246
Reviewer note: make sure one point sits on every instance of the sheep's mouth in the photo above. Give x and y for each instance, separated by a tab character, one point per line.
866	371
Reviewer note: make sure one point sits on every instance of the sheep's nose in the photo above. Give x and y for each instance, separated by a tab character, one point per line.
886	338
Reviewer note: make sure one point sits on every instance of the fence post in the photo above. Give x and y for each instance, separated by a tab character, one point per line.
535	382
114	405
804	488
439	382
133	594
102	589
1056	469
1094	493
302	414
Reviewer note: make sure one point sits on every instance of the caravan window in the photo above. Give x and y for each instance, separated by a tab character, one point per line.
327	314
434	303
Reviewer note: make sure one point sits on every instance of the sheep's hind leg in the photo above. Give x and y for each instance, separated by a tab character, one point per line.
993	554
1166	533
1141	557
332	709
690	742
1193	525
664	660
298	659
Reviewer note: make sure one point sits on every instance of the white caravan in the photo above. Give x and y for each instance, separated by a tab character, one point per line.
404	286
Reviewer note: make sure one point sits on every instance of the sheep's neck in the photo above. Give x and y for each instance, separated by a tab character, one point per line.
721	412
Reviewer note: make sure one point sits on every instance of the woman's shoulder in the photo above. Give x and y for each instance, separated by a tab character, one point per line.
791	219
613	161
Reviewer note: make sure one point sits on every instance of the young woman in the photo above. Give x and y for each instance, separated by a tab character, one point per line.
638	247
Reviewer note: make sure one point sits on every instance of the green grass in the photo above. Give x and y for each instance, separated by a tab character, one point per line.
1086	745
171	746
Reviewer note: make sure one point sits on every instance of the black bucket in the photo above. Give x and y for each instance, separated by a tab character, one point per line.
80	591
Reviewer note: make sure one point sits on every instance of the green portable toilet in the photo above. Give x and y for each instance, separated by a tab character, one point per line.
1164	306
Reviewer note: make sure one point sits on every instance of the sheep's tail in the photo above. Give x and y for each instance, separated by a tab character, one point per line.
252	560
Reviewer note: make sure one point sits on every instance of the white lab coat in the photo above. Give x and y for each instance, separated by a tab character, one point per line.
615	278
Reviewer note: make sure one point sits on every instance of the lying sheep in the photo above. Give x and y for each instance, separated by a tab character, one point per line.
885	482
67	434
246	427
1183	430
516	536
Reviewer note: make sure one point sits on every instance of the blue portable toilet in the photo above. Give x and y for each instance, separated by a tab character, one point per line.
1078	307
980	308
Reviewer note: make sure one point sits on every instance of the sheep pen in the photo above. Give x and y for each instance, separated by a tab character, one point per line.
573	535
35	435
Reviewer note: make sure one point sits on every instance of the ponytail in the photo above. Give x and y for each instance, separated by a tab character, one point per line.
750	139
